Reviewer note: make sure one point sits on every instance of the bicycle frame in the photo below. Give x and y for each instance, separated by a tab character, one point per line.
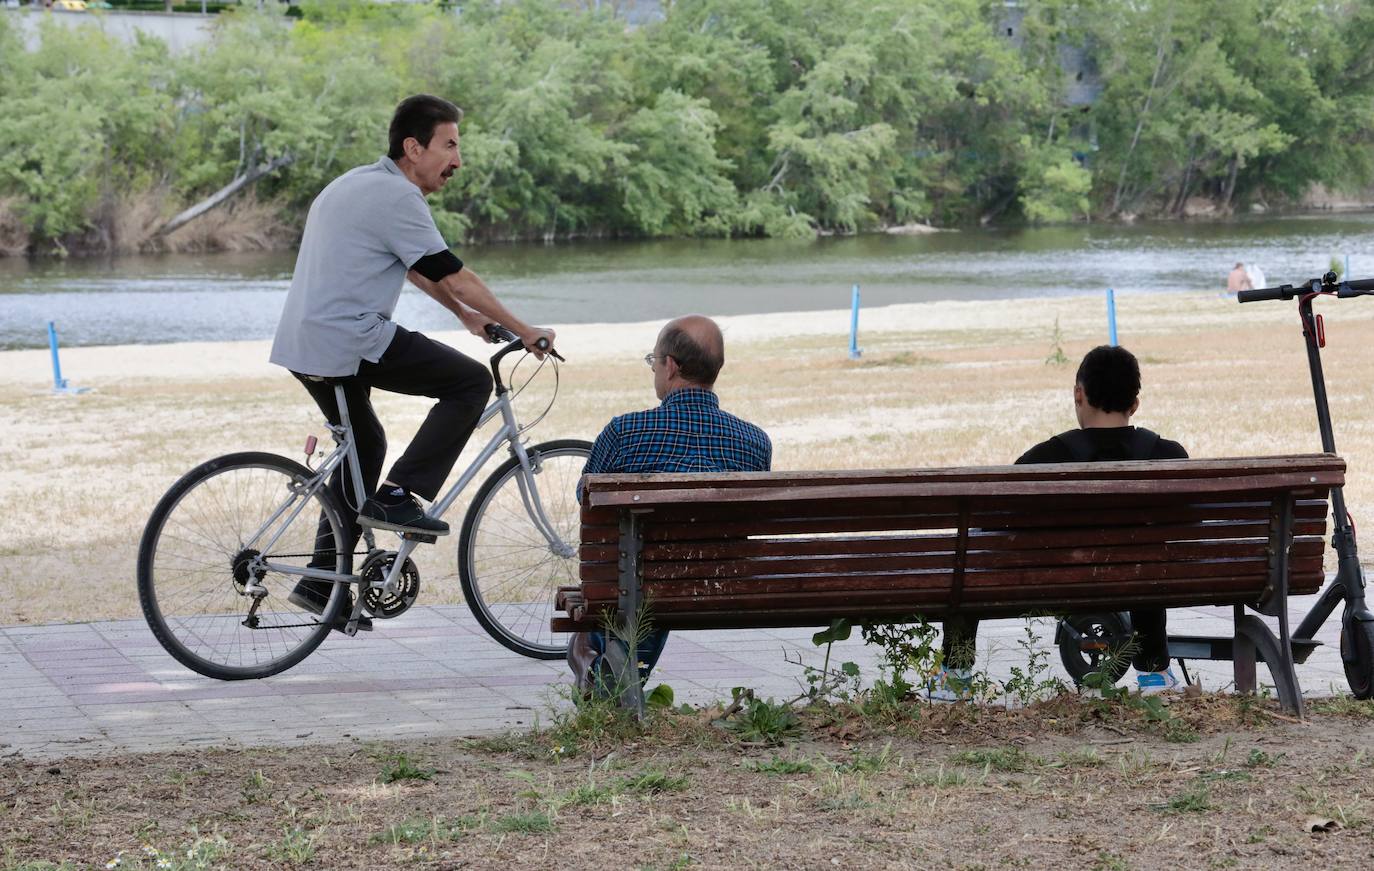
346	449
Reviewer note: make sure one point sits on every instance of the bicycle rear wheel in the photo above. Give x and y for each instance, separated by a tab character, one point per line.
195	580
508	569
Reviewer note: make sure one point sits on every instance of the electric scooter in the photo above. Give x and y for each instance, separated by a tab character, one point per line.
1091	642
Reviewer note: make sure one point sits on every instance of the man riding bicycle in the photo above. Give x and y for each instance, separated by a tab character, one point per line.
366	233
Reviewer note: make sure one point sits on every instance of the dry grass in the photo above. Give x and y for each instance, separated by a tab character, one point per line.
939	384
1055	785
245	224
134	218
14	237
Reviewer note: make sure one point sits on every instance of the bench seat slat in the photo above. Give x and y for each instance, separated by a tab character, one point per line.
730	614
1025	583
669	611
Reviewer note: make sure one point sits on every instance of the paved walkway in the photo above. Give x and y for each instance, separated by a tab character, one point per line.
94	688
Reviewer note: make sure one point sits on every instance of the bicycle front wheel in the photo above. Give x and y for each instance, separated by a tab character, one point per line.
509	569
197	579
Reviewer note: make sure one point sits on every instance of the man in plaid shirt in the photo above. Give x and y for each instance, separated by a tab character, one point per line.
687	432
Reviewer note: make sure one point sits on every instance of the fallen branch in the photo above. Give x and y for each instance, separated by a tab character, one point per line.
221	196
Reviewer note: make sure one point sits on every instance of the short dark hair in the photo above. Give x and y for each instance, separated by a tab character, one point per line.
417	117
697	364
1110	377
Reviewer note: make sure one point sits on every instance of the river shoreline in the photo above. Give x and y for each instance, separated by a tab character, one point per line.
242	229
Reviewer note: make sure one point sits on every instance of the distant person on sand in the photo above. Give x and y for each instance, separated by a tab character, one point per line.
1238	279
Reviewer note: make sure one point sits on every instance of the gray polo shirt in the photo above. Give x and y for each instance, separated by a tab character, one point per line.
364	231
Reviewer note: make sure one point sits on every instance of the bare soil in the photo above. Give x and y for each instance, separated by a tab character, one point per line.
1220	782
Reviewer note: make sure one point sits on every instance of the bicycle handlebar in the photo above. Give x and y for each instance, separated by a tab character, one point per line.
498	333
1326	284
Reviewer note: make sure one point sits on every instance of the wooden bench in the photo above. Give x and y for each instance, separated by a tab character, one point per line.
709	551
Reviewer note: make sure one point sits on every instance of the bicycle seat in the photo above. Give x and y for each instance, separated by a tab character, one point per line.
321	379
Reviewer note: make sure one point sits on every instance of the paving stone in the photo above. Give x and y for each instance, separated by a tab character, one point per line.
92	688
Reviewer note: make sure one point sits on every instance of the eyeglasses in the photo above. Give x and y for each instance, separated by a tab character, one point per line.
649	359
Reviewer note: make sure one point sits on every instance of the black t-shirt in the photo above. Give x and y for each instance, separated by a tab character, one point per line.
1110	443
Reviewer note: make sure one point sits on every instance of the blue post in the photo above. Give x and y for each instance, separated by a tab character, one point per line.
854	351
1345	276
1111	317
58	382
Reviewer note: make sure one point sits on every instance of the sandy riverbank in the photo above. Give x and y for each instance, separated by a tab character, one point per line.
948	383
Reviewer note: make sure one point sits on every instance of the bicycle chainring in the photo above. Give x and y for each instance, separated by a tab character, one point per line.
376	601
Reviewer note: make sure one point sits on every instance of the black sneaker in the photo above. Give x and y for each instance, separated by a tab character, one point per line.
403	516
313	596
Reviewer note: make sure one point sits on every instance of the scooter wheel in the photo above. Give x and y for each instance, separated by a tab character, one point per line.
1357	653
1095	643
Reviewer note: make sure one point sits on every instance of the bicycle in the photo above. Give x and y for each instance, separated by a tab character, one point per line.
1092	642
227	543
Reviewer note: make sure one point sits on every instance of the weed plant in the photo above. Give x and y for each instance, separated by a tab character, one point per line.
400	767
1033	683
762	721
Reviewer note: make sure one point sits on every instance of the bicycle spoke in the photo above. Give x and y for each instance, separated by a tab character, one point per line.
511	572
198	573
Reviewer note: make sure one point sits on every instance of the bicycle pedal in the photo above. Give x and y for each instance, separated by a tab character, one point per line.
422	537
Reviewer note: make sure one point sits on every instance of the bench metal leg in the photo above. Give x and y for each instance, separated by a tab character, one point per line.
1253	637
1243	655
631	691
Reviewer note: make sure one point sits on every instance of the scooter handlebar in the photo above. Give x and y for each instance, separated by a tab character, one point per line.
1264	293
1326	284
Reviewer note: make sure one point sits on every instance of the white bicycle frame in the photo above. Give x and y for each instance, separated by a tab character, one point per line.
347	449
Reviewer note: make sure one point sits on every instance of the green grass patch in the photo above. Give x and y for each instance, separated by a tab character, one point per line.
529	823
997	758
1344	706
779	765
1194	800
652	781
422	830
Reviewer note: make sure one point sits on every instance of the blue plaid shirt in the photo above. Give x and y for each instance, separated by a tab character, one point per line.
686	433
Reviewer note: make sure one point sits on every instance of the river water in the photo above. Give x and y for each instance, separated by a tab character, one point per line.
239	296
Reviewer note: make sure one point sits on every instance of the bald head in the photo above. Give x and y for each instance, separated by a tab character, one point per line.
696	345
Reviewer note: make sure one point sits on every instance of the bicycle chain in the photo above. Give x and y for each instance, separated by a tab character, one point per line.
295	625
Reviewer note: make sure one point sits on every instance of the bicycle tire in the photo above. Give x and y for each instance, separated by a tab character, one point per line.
178	574
515	604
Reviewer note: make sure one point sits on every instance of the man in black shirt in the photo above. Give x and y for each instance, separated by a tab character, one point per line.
1106	393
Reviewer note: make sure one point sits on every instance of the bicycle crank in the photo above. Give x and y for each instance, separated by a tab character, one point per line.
376	601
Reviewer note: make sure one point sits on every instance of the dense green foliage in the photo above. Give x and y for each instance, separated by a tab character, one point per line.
728	117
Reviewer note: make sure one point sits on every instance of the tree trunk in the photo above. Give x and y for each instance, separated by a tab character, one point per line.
1161	56
223	195
1181	201
1230	189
